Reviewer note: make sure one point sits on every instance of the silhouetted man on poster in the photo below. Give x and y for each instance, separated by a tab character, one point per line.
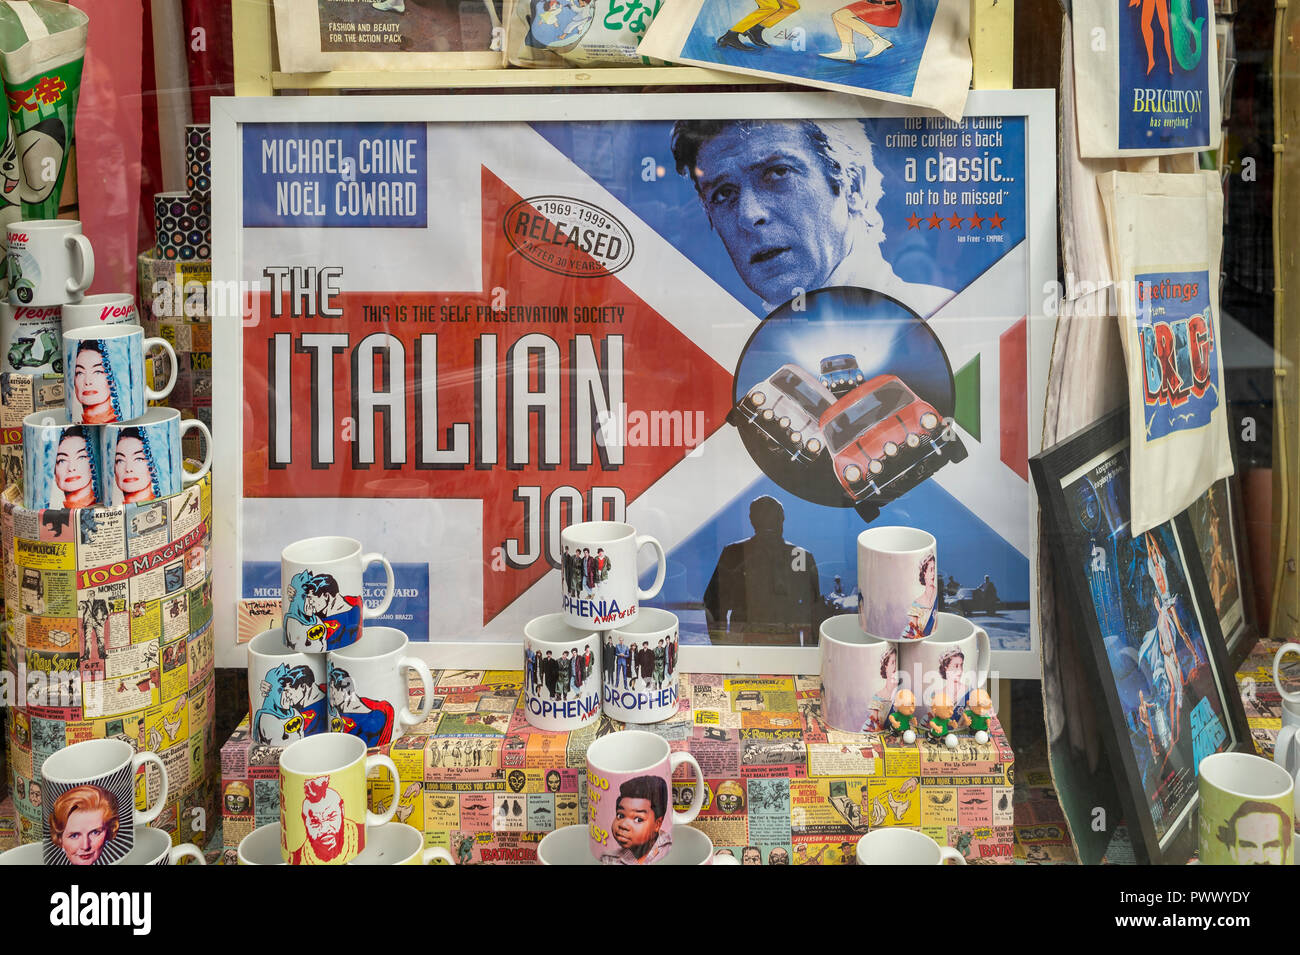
764	590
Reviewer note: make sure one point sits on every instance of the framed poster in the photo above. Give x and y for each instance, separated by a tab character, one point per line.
319	35
1216	520
1150	643
452	326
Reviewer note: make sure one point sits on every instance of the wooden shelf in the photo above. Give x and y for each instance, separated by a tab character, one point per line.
480	79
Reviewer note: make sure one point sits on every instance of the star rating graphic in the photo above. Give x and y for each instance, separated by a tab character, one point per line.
956	221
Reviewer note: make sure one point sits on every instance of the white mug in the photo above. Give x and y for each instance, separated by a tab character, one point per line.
31	854
106	308
561	675
103	373
286	691
954	660
31	339
321	592
396	843
154	847
860	675
50	262
598	577
891	846
61	462
640	667
1291	696
367	687
88	814
898	577
568	846
1286	749
141	460
261	846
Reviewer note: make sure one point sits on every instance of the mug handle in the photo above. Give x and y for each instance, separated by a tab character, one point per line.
369	613
85	270
149	393
675	760
189	424
1287	739
186	850
154	811
984	657
951	854
641	541
1289	695
374	818
426	678
437	852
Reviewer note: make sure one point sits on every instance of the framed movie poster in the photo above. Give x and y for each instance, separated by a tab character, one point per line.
750	325
1150	640
1216	519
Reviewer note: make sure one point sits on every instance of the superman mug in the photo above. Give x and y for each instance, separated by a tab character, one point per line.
321	592
367	687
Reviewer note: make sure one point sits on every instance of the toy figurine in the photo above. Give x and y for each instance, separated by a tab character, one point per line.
900	717
941	723
979	709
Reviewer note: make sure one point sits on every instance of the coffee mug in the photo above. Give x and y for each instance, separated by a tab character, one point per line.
50	262
860	676
154	847
561	675
568	846
640	668
891	846
898	578
33	854
143	459
321	592
399	844
60	462
104	373
953	661
1291	696
323	799
96	311
1247	807
261	846
31	339
287	699
598	574
1286	749
630	810
88	814
368	689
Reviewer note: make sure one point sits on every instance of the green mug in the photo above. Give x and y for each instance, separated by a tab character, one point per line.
1245	811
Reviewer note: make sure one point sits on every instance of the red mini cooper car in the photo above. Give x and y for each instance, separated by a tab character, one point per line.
885	440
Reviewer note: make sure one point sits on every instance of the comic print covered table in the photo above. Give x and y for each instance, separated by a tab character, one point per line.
781	787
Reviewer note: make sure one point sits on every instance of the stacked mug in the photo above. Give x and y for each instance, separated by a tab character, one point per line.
183	219
88	813
899	665
107	446
602	649
329	690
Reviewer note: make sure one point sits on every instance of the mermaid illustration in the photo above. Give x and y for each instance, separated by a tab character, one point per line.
293	706
135	475
920	616
93	385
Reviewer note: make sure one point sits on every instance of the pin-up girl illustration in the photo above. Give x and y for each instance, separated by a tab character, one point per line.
920	616
134	475
74	468
93	385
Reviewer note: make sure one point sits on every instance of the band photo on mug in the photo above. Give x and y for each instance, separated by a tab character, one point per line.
584	572
559	675
647	666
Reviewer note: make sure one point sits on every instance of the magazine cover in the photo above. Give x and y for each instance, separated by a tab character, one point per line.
644	320
903	51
